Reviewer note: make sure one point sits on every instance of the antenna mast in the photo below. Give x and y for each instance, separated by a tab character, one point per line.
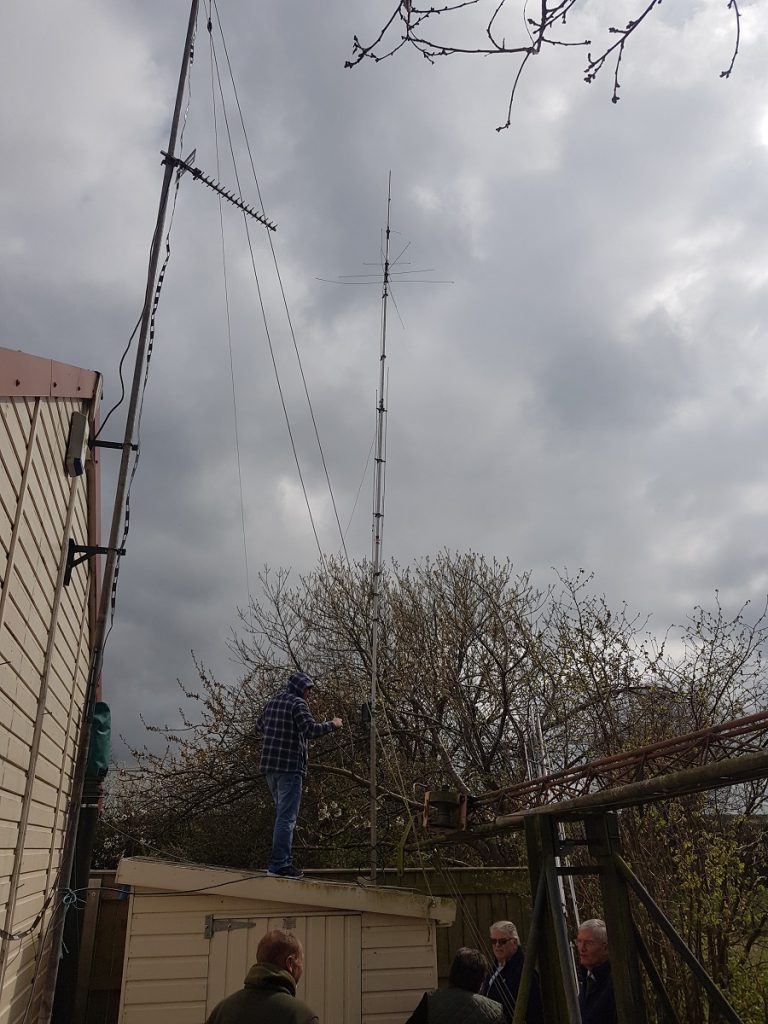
378	530
118	512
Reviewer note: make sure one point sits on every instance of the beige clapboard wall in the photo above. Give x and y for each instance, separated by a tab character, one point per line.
370	952
44	655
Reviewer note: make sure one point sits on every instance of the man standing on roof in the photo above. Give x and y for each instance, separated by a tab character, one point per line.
287	725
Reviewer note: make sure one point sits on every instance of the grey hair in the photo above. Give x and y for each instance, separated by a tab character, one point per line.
597	926
507	928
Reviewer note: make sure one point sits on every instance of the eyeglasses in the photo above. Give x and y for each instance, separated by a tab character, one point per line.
499	942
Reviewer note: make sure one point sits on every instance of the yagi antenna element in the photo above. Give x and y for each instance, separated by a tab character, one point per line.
186	165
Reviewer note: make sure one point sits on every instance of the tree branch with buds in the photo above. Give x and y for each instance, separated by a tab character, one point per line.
424	28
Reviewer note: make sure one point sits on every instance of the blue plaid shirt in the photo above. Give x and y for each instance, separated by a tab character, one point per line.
287	724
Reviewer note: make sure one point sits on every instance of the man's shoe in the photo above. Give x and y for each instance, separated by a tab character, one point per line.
287	872
292	872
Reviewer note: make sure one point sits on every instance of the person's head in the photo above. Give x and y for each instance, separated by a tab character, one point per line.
281	949
302	683
504	940
468	970
592	943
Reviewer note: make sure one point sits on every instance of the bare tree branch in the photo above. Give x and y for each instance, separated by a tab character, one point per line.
419	28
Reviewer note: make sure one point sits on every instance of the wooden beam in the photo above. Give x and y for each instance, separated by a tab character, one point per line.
559	992
531	952
604	842
717	775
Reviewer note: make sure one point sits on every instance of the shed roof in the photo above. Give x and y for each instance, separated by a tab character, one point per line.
26	376
181	878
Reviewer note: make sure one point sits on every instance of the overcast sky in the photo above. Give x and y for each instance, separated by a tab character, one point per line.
590	392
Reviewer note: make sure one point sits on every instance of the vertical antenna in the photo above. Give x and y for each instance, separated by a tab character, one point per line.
380	440
378	530
543	769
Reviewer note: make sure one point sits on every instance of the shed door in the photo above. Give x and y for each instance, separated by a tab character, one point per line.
330	983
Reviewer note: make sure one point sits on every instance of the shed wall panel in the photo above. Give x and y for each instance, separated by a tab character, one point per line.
389	961
330	983
388	980
36	771
148	968
165	991
399	964
180	1013
15	992
397	958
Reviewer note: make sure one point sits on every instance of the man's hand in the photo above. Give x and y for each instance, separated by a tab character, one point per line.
336	723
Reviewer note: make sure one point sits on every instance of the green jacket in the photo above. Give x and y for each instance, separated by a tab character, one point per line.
269	997
456	1006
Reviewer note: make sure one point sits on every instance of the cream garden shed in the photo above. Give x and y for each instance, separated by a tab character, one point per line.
370	952
48	498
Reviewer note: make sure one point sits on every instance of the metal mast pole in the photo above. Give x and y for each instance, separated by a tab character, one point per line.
543	771
130	422
97	646
378	529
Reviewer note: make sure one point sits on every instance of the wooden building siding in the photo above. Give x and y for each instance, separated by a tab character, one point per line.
330	983
174	972
484	896
44	656
399	964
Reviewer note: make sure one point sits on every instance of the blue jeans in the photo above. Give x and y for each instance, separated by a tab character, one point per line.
285	788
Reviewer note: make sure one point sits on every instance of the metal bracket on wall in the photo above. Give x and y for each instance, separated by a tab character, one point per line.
223	924
112	444
77	553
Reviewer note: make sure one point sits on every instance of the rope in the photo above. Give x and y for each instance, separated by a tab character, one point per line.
17	936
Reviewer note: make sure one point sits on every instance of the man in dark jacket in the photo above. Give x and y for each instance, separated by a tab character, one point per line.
269	995
503	982
460	1003
596	999
287	725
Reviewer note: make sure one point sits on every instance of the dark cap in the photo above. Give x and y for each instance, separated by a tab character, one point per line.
301	679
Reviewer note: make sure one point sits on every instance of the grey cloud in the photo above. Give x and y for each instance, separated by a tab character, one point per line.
589	392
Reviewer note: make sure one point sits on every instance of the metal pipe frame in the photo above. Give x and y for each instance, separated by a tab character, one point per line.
531	952
657	982
687	955
717	743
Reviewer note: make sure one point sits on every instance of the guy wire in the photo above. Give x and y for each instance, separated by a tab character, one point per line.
229	332
265	321
282	288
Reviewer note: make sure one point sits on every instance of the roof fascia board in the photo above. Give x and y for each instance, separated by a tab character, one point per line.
26	376
188	878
